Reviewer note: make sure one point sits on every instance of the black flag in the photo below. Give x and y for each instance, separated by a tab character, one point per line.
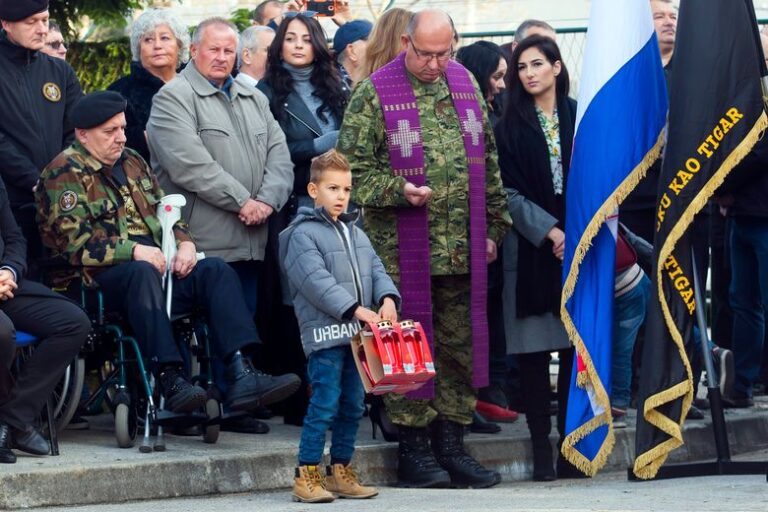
716	115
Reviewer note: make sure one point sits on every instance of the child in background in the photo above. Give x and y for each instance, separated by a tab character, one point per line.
336	280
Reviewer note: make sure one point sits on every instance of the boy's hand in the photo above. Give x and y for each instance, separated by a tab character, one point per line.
388	310
366	315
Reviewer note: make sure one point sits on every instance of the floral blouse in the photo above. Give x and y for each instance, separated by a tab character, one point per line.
551	128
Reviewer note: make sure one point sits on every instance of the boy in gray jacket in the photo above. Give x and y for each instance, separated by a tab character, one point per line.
335	278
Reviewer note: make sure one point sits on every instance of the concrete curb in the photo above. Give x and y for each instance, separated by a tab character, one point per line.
98	473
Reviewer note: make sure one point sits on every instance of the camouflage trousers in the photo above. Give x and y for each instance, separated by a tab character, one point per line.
452	352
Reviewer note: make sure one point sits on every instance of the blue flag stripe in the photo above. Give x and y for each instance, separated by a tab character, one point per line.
619	129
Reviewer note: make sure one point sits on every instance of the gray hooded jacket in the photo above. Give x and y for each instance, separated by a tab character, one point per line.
327	277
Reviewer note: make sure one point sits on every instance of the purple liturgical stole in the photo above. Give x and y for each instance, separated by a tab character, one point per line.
406	154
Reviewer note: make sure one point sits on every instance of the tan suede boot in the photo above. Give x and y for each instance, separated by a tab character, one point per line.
309	486
343	481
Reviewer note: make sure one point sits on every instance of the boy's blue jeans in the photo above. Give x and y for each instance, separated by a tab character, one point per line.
336	402
628	315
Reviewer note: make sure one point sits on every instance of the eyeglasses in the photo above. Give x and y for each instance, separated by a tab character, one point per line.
427	56
306	14
55	45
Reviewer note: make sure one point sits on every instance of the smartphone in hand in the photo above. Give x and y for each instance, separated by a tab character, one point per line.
322	7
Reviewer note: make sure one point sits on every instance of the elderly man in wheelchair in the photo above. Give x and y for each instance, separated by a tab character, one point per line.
97	208
60	327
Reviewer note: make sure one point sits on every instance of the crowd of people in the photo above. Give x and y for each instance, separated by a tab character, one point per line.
396	173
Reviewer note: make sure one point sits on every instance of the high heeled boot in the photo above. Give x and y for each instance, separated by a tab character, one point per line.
464	470
416	464
378	416
543	470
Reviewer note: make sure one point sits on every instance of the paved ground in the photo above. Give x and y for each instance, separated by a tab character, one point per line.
91	470
609	491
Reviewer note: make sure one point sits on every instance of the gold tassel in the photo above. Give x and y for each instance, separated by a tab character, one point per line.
648	463
589	376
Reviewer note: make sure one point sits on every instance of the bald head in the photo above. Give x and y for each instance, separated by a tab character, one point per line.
429	21
429	43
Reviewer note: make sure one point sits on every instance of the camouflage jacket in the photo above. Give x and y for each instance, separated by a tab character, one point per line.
82	215
363	140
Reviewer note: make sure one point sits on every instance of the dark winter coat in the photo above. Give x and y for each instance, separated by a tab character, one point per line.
138	88
329	276
37	93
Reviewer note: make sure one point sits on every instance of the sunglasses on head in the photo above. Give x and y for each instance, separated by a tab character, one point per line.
306	14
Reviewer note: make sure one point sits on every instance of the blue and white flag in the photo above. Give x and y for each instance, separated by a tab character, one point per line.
619	134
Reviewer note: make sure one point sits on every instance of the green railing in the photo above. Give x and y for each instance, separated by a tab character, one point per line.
571	41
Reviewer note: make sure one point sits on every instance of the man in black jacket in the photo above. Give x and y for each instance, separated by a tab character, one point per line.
60	326
36	93
743	196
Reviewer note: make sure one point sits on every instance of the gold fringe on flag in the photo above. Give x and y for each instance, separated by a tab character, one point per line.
589	377
647	464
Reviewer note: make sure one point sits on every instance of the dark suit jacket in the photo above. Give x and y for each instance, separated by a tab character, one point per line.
13	251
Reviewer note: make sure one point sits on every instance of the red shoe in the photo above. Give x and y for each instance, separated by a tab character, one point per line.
494	413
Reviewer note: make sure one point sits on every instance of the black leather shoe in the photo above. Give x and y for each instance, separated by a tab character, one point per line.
738	402
250	388
244	425
694	413
31	441
482	426
180	395
6	455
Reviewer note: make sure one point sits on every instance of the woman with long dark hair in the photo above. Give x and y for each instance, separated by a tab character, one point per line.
487	63
307	97
306	94
534	140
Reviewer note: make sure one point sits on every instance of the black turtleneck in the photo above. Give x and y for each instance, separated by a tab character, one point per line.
36	94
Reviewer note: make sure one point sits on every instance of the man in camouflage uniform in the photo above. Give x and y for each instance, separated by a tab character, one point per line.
363	140
97	204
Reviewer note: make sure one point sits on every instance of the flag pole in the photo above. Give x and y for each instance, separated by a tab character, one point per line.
723	465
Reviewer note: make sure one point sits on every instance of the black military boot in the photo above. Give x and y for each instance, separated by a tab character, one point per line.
250	388
465	471
416	464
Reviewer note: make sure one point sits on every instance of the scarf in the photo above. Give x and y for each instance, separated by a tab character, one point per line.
525	164
406	153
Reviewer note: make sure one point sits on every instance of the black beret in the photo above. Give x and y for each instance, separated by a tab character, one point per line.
97	108
17	10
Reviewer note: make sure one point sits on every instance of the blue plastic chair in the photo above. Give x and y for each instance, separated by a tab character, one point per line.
25	340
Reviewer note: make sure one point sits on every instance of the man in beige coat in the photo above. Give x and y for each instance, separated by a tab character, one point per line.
216	142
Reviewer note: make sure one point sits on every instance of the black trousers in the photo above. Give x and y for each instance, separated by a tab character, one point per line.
60	325
134	290
537	392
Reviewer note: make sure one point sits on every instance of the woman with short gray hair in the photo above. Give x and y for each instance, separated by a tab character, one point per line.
159	46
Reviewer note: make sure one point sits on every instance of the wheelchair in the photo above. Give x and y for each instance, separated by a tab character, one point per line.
126	384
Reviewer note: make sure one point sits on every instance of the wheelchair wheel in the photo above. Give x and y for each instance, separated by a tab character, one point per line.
212	410
66	394
125	425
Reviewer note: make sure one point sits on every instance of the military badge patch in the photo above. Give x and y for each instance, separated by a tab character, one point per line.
52	92
67	201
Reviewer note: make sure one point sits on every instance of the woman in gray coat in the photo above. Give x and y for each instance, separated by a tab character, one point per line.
534	141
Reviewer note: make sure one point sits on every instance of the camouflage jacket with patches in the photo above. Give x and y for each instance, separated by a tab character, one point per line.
362	139
81	213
